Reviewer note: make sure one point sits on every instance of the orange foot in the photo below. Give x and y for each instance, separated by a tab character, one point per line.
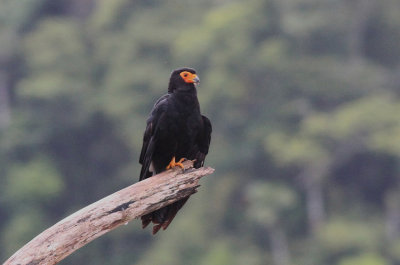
174	164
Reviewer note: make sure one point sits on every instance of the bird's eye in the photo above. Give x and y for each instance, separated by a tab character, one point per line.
185	75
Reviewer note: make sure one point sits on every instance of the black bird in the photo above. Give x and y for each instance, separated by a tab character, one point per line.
175	131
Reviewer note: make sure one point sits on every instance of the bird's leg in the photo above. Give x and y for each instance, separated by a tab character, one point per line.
174	164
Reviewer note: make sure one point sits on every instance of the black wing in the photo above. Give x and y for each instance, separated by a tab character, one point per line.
150	135
203	142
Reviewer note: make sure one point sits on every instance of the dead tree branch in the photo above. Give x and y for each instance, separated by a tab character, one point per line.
78	229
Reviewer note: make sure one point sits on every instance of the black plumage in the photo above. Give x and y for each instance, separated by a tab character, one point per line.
175	130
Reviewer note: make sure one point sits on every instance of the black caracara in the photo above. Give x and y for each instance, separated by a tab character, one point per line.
175	131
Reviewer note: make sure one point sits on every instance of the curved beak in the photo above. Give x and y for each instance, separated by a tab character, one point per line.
196	79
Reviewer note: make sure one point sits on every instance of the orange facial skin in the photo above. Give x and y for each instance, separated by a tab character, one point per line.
189	77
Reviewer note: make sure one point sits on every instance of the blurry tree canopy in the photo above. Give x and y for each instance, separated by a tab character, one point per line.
303	96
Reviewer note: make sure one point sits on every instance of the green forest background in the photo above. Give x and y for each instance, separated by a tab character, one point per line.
304	100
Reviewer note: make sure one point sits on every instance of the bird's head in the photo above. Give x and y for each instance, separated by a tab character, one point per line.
182	80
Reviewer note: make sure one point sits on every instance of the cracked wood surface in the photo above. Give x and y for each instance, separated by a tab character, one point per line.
85	225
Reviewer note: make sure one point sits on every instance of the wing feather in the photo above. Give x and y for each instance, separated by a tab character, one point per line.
203	142
150	136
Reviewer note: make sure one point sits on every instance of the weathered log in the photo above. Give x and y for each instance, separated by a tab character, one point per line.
78	229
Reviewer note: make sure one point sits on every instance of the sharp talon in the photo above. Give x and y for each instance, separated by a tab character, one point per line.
179	163
173	164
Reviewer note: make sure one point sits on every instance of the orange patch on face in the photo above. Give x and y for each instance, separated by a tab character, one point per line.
188	77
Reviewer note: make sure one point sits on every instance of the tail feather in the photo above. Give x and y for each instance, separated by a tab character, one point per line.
156	228
162	218
145	221
173	211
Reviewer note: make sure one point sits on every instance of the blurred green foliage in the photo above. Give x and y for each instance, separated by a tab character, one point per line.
304	100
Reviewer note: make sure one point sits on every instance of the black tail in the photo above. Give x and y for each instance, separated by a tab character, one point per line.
161	218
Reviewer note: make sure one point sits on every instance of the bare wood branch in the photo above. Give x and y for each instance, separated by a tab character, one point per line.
78	229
